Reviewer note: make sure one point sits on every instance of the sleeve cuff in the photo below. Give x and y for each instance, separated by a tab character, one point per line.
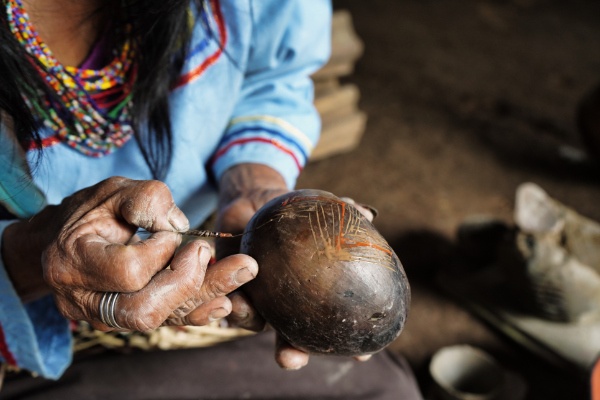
259	151
34	336
269	140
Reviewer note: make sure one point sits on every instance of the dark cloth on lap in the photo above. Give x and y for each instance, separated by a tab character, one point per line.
242	369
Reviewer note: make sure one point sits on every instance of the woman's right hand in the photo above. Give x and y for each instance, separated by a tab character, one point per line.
80	249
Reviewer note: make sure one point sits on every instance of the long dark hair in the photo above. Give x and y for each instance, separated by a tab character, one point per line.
164	33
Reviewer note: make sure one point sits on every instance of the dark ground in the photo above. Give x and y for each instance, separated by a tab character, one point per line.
466	100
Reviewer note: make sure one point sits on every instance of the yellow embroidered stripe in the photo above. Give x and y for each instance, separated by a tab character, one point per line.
289	128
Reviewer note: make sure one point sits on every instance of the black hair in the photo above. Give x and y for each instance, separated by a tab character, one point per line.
164	31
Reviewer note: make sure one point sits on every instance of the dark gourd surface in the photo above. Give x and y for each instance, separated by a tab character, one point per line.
328	282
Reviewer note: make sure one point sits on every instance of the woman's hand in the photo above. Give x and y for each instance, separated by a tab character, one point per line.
80	247
243	190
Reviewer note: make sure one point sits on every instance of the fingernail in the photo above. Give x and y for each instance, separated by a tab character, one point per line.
296	368
243	275
177	219
242	315
373	210
204	253
218	313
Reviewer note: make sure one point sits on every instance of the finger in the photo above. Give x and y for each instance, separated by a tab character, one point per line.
243	315
374	212
288	357
150	307
204	314
118	267
221	279
227	275
363	358
367	211
149	205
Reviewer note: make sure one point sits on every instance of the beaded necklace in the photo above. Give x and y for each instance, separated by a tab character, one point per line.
91	109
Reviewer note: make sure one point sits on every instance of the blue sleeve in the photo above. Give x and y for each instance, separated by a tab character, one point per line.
33	336
274	121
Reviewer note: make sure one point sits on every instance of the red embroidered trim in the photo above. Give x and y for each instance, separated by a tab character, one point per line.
8	356
47	142
256	139
196	72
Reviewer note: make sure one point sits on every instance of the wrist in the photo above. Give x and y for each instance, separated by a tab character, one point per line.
246	178
21	250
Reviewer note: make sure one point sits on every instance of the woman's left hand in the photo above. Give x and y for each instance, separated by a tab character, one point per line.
243	190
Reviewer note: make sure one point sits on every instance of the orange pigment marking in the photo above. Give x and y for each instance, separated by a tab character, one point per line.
363	244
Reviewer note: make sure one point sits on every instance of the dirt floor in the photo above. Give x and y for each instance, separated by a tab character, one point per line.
466	100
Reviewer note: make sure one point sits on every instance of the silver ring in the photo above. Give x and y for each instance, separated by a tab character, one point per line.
107	310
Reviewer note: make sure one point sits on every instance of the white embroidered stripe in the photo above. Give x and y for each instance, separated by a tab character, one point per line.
289	128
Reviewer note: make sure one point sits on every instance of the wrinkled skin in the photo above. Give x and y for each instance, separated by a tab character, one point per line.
86	246
79	249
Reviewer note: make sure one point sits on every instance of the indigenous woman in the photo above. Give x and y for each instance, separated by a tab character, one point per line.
121	115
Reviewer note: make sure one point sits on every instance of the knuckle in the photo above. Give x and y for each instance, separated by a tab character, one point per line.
134	276
148	204
173	322
116	181
54	271
111	185
180	313
216	289
185	309
133	281
157	188
148	323
145	314
132	285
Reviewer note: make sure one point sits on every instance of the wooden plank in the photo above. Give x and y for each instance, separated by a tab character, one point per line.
346	48
325	86
347	93
345	43
343	124
340	136
339	102
334	70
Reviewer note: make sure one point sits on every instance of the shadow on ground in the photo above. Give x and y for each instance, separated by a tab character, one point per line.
466	100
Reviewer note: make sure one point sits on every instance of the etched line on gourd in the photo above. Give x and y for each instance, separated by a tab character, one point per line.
348	224
314	236
338	242
341	215
336	246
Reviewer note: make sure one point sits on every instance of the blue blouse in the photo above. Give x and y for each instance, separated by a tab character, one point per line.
244	95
